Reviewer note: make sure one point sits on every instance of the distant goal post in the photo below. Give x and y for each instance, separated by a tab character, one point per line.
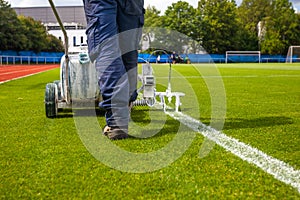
293	54
243	56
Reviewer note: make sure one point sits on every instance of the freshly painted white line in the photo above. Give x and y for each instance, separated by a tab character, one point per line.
279	169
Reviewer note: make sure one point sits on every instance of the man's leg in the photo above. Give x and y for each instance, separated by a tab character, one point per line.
104	48
130	22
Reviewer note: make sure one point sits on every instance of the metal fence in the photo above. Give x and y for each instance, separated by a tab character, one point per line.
219	58
4	59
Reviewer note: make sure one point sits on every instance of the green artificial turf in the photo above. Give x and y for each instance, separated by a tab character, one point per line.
45	158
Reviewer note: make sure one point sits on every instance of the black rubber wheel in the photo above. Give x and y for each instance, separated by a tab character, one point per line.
51	100
58	85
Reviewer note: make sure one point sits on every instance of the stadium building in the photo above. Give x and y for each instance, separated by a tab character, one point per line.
73	18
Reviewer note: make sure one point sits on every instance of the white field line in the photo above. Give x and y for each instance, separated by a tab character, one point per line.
1	82
14	72
279	169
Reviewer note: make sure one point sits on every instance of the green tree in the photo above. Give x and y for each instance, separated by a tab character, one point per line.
53	44
35	33
169	32
268	25
152	22
219	24
181	17
250	13
24	33
9	27
152	17
180	28
282	28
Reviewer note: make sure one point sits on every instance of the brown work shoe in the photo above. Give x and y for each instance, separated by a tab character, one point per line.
115	133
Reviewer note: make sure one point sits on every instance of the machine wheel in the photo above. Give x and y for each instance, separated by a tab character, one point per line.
51	100
58	85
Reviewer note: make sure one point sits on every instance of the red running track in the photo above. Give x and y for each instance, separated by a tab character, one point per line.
11	72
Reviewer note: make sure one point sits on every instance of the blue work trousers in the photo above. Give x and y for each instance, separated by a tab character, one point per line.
113	34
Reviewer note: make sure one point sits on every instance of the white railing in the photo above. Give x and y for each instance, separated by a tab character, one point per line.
28	60
273	60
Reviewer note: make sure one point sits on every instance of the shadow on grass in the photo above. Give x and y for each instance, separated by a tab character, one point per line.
240	123
170	127
140	116
69	113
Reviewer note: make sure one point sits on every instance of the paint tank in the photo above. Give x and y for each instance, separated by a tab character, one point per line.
83	79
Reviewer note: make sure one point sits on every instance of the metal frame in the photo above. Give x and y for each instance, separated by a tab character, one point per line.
244	53
66	39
